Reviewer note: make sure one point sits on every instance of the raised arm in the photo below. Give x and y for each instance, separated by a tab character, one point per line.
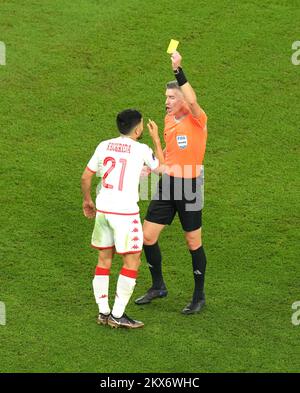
187	90
153	131
159	153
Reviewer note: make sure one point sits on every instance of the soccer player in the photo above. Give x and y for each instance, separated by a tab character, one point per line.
180	189
119	162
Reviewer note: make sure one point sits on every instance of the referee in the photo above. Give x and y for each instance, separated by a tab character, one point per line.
180	188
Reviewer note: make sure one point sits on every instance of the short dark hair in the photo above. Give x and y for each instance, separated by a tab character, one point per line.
173	85
127	120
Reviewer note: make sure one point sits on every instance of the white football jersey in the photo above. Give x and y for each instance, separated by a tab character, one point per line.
119	162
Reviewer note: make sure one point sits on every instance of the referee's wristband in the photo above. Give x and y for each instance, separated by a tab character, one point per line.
180	77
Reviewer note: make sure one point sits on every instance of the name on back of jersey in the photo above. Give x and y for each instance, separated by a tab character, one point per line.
119	147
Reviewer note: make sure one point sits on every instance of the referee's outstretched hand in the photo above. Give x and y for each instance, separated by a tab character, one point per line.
145	171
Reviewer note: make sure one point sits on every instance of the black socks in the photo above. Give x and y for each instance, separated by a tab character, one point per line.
153	256
199	266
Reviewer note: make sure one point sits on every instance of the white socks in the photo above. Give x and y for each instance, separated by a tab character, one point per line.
125	287
100	286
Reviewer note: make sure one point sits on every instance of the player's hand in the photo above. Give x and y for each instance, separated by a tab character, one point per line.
176	60
153	129
145	171
89	209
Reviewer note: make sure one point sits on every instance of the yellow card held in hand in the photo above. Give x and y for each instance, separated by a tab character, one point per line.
172	46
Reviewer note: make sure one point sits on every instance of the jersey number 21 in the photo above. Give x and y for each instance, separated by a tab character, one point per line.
112	162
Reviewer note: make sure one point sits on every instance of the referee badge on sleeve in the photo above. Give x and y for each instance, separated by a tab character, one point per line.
182	141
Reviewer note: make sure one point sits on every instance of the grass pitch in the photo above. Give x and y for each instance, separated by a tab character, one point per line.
71	66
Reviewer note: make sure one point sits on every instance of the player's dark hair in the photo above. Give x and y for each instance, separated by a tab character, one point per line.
173	85
127	120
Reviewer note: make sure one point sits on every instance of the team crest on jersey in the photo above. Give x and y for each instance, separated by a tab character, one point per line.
182	141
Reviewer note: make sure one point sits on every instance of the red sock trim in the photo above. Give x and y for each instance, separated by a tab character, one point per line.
100	271
128	272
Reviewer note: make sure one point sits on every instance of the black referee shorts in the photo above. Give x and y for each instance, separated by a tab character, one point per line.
177	195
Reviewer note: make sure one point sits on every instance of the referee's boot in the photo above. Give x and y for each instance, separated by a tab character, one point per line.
150	295
194	307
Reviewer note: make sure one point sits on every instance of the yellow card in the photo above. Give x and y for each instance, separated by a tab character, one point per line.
172	46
